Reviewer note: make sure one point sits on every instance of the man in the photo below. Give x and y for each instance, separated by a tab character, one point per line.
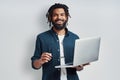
56	46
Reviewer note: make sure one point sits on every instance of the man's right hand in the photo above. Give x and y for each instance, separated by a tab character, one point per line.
45	57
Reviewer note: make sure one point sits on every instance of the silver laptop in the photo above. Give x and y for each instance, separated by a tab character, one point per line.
86	51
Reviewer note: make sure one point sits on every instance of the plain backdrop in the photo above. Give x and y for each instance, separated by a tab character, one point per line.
22	20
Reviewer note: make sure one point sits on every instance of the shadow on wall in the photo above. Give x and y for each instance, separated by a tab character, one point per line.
35	74
43	26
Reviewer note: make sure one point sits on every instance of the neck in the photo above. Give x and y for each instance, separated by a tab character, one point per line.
59	32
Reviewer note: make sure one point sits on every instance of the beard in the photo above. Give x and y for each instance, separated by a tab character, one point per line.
59	26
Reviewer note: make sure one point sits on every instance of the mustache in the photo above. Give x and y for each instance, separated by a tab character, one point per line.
59	20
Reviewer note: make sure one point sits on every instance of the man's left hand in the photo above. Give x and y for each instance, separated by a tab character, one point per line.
80	67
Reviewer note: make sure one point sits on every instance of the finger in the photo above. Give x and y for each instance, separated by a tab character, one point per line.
46	58
47	54
86	64
79	68
50	54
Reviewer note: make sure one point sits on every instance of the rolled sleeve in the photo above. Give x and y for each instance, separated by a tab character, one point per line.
37	52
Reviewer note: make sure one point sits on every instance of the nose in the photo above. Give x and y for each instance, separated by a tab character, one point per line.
59	16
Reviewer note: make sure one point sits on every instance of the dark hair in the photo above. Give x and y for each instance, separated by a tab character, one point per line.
55	6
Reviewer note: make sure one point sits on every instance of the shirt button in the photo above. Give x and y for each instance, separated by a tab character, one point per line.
58	59
58	69
58	50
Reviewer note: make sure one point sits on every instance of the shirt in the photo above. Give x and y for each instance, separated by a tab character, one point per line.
48	42
62	58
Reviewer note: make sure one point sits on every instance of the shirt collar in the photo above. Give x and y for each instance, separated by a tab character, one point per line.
66	34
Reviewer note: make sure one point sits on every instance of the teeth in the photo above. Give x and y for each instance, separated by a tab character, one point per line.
59	21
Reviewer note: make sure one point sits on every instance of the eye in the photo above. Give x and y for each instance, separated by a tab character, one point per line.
54	15
63	14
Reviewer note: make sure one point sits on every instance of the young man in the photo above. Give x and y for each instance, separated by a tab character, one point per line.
56	46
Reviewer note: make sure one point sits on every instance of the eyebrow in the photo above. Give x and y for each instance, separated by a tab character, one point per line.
60	13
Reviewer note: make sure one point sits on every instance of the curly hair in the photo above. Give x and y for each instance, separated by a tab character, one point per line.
55	6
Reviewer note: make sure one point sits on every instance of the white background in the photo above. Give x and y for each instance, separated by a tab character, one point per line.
22	20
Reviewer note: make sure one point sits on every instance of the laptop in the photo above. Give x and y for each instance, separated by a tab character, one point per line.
86	51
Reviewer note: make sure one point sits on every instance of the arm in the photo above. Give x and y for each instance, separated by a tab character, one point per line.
39	58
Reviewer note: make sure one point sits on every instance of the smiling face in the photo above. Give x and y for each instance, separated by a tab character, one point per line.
59	18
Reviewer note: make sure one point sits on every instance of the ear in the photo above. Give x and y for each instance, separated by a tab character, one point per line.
49	18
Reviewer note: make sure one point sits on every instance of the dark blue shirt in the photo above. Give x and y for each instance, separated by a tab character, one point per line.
48	42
